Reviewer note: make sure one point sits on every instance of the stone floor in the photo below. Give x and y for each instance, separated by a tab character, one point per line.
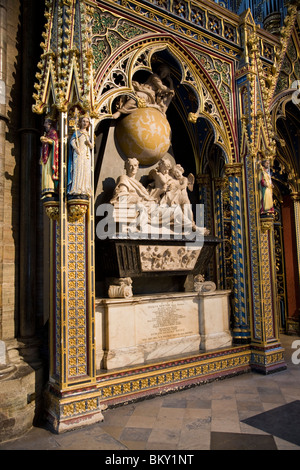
247	412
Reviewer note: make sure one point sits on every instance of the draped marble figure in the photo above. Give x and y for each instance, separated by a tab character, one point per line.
79	162
128	188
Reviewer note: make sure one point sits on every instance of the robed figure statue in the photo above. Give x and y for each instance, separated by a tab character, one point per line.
265	188
49	160
79	161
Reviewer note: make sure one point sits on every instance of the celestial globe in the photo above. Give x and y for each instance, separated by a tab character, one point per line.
144	134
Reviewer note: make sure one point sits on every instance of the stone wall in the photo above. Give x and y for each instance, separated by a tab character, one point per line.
21	379
9	177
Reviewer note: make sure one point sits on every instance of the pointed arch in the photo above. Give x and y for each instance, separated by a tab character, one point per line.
115	77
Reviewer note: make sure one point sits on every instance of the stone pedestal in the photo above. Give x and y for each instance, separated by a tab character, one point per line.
144	329
214	320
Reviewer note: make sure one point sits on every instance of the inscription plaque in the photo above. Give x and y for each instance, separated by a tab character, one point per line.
167	320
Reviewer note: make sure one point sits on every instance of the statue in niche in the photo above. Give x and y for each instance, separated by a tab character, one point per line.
79	161
265	188
157	92
49	160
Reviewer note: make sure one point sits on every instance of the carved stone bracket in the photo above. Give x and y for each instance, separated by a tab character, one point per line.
266	223
120	288
77	209
52	209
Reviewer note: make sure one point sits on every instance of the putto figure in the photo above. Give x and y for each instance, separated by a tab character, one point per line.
160	180
49	160
79	161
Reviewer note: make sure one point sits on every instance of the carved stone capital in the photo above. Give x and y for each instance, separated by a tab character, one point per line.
233	169
192	117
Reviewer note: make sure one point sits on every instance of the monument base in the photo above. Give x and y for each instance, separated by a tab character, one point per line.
65	411
142	329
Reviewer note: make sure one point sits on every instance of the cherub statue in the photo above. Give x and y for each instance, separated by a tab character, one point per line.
179	192
157	92
160	180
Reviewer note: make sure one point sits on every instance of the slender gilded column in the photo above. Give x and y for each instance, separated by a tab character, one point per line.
267	353
241	332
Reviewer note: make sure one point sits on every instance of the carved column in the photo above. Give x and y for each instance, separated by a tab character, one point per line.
66	65
219	186
72	321
241	331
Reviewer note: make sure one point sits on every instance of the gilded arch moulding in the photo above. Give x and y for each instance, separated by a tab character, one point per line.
137	56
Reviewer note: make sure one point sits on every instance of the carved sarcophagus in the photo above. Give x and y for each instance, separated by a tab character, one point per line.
157	265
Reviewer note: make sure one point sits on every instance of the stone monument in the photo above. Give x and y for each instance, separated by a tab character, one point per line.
155	245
